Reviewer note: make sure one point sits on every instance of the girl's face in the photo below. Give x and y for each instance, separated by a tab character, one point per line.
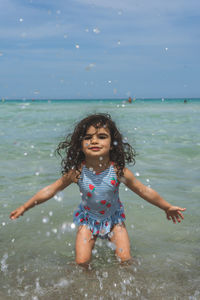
97	142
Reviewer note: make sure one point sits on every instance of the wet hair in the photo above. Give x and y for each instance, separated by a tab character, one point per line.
121	151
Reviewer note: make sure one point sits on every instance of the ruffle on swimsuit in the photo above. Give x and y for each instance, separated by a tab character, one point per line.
100	208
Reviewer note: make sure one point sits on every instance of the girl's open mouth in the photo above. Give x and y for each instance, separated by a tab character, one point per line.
94	148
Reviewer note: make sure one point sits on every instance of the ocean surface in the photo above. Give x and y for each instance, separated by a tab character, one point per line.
37	250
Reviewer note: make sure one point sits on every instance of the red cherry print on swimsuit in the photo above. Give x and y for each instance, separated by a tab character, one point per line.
103	202
86	207
120	203
108	205
91	187
81	220
123	215
97	223
102	212
77	214
106	223
113	181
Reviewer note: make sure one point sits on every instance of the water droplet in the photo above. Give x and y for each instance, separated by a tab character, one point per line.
94	251
77	46
45	220
73	226
25	153
137	174
90	66
118	43
110	235
37	173
100	158
96	30
111	245
125	139
50	213
105	274
115	143
21	19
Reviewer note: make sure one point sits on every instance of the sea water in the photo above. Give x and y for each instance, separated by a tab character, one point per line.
37	250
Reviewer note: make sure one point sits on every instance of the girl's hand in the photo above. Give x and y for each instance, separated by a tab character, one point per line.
174	213
17	212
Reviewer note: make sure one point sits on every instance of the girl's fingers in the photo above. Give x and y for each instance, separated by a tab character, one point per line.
14	215
181	215
183	209
173	219
168	217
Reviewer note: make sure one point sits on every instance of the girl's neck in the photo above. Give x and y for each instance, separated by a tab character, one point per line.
98	165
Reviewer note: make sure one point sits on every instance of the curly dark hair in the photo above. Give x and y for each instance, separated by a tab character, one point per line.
120	153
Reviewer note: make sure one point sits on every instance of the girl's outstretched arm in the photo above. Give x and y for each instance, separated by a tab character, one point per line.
43	195
172	212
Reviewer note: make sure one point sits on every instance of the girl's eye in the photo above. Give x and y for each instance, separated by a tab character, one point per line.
102	137
87	137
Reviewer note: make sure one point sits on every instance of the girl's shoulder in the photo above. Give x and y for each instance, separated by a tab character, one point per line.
77	173
72	175
114	165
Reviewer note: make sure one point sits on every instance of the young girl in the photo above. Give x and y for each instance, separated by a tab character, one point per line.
95	156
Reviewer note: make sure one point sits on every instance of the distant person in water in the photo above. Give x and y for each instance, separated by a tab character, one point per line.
129	100
94	158
185	101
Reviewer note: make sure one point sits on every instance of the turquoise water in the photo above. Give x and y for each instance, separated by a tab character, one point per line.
37	250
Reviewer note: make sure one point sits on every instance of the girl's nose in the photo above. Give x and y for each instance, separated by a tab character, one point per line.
93	139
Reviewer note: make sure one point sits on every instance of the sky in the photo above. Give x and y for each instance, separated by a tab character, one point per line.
93	49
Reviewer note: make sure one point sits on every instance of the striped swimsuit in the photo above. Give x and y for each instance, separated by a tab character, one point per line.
100	208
